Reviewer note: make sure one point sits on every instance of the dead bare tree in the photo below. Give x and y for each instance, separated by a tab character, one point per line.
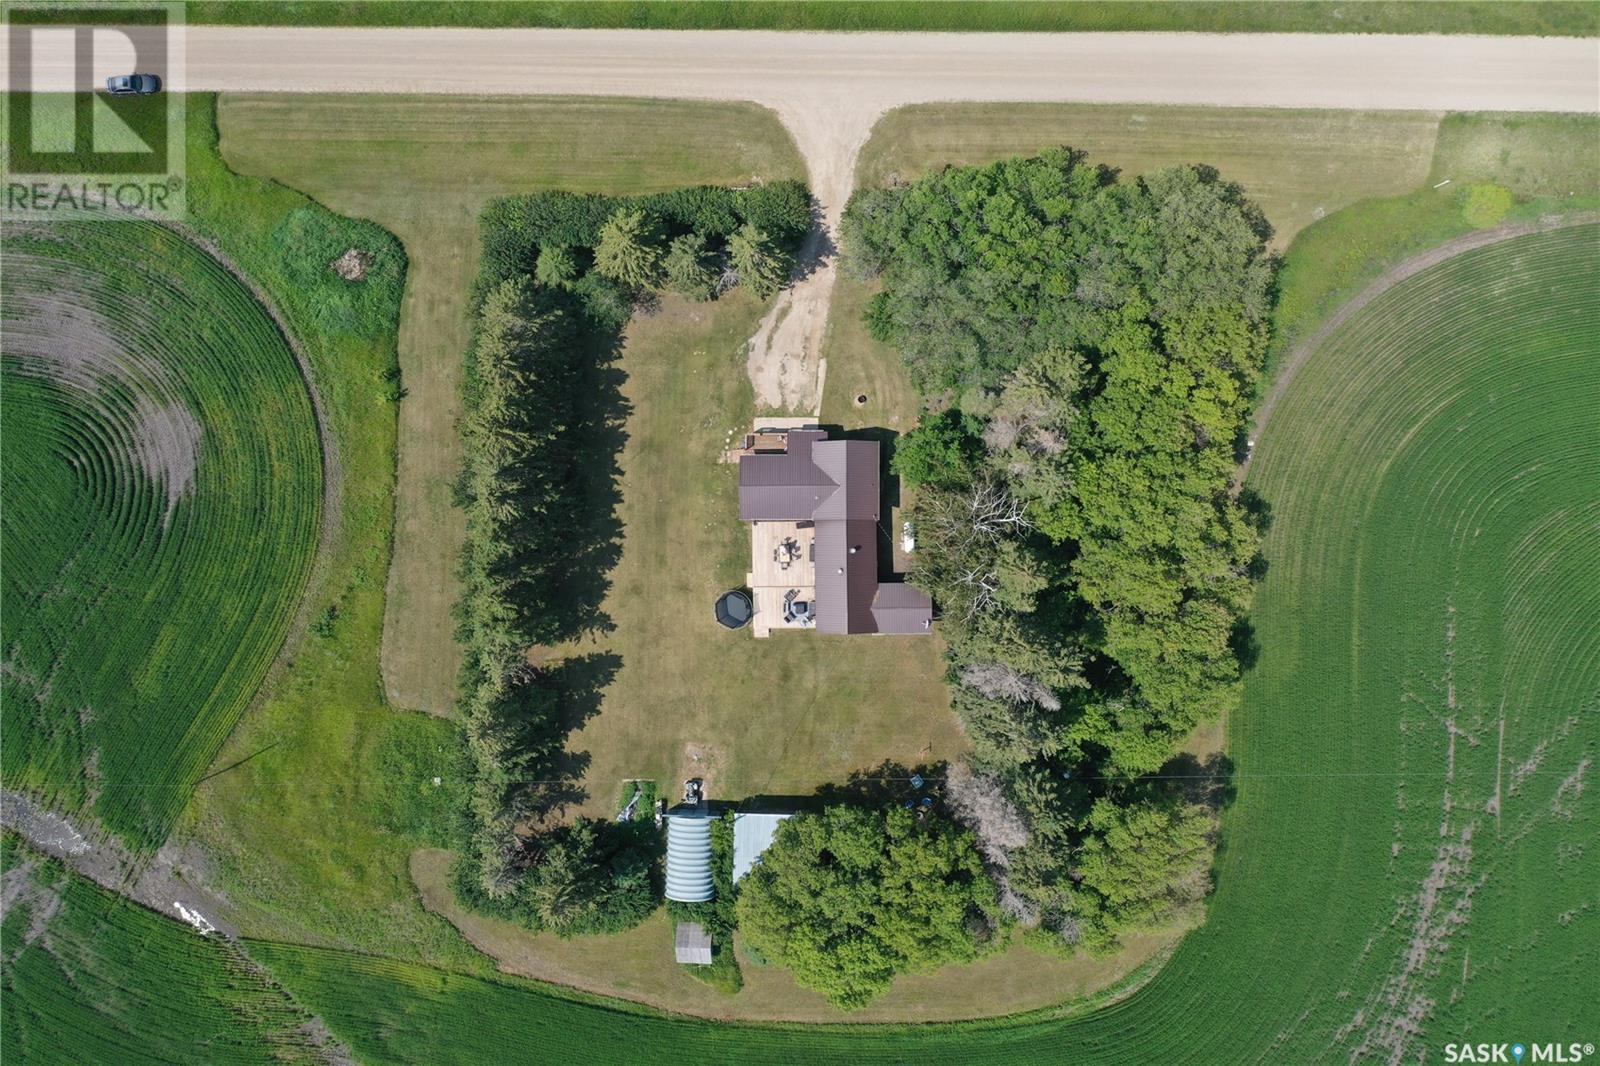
1020	907
985	512
1001	682
979	802
963	530
981	584
994	512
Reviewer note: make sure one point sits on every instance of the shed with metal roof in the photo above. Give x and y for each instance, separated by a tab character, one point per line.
752	835
692	944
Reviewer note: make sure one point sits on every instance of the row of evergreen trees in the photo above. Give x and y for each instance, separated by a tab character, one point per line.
560	276
519	490
608	251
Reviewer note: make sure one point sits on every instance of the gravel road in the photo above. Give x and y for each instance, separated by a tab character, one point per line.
830	88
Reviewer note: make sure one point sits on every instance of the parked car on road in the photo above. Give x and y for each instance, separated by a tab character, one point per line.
133	84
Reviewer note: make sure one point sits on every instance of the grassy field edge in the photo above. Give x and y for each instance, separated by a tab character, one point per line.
1252	16
326	695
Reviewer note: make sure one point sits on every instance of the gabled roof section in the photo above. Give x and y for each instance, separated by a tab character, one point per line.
752	835
847	575
785	486
834	484
692	944
901	608
852	464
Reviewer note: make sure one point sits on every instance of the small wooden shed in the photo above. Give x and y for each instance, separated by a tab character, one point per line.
693	947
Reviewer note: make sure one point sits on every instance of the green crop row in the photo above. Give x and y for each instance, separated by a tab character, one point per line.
1238	16
90	977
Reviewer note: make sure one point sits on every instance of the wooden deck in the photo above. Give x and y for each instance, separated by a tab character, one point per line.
775	569
769	434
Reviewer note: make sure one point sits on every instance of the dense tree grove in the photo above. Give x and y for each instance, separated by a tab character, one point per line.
560	275
848	898
1087	349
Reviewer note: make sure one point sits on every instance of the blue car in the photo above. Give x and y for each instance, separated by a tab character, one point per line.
133	85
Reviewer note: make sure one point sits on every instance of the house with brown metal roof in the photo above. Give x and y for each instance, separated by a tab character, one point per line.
813	508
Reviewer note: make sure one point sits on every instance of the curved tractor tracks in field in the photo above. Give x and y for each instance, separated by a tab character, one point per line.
173	876
327	444
1303	350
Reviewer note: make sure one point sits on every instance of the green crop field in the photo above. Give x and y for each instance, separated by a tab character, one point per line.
1234	16
90	977
163	488
1419	731
1445	671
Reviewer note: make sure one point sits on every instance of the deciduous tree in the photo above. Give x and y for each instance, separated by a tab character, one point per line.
848	898
1142	862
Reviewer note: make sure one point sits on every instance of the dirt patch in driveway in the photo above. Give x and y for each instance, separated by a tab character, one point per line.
784	358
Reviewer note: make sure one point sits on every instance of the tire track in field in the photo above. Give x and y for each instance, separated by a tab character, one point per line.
332	469
1303	351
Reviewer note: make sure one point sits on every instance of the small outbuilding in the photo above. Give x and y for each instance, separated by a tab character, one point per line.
752	835
693	944
689	854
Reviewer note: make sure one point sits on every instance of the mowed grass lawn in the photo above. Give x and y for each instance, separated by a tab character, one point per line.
310	808
782	715
689	698
423	167
778	715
